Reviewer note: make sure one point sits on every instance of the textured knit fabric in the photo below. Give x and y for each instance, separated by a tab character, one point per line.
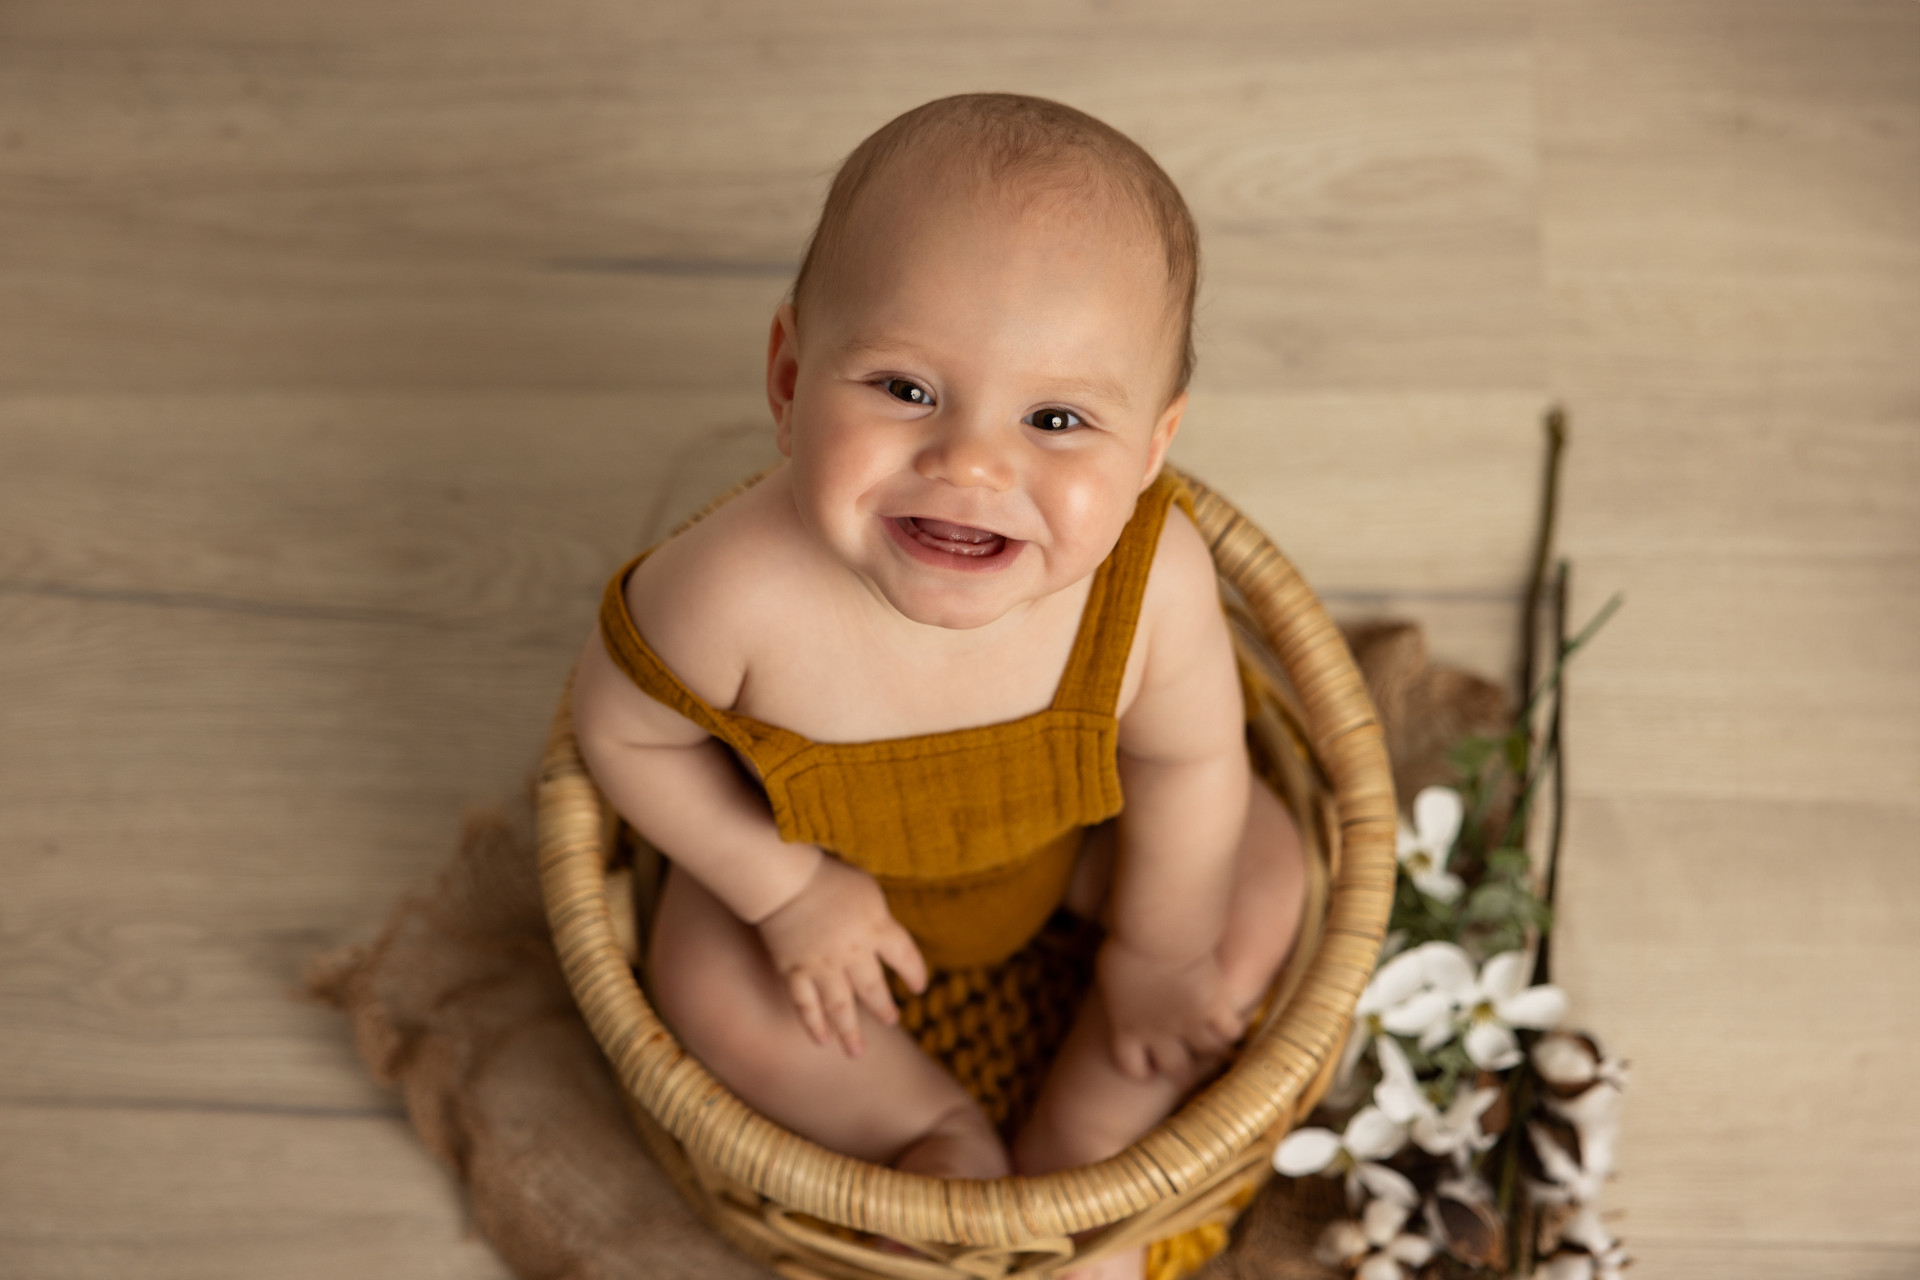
973	833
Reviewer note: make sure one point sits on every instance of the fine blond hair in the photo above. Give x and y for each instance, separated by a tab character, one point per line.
1013	142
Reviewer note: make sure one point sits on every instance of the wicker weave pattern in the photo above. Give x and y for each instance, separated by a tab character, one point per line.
761	1184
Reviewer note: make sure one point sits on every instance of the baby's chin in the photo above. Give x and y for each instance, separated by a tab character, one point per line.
961	601
950	609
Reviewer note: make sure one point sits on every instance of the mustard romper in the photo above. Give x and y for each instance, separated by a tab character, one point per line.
973	833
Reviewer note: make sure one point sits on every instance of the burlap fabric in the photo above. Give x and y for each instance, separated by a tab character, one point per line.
460	1004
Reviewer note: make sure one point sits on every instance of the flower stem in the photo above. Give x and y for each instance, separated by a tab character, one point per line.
1555	424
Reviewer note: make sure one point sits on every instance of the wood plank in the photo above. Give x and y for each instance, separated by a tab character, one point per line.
1650	475
202	1195
1728	199
117	1192
1742	1260
1743	676
1758	962
1418	492
200	800
298	201
458	508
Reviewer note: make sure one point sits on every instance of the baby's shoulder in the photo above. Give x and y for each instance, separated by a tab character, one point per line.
700	596
1182	576
1180	671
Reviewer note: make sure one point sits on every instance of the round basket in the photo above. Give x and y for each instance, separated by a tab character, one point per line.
811	1214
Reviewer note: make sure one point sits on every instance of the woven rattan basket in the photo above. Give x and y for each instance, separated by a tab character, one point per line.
812	1214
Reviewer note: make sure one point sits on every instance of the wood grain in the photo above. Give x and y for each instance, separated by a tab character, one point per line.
1743	676
1757	961
319	197
1737	1260
203	1195
450	508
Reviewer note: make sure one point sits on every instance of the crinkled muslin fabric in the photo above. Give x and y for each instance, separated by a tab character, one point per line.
461	1006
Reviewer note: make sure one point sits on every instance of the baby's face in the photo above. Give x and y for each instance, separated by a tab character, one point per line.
976	399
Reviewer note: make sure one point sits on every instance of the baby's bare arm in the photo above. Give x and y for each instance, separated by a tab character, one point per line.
825	925
1183	771
681	790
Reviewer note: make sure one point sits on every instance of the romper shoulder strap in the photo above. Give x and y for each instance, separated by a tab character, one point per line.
763	744
1099	658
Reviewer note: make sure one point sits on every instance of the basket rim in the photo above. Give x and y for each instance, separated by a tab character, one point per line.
1250	1103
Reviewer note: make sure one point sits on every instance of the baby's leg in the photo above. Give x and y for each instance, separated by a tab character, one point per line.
892	1105
1088	1109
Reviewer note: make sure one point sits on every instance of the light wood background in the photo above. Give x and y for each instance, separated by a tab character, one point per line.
345	346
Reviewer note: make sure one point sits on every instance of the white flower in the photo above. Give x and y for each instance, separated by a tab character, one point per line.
1398	1095
1390	1247
1585	1229
1585	1091
1343	1242
1571	1059
1581	1266
1422	1009
1400	1000
1456	1132
1370	1138
1594	1253
1425	846
1575	1177
1611	1264
1494	1001
1595	1117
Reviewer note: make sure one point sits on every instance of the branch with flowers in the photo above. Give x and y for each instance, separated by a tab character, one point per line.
1472	1129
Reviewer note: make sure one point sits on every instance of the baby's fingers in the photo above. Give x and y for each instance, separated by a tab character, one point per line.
1130	1055
1214	1037
1171	1059
870	985
1227	1025
836	997
897	950
806	1000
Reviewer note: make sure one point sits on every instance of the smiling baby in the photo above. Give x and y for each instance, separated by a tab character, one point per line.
958	661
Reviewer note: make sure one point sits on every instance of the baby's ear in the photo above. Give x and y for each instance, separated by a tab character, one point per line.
1164	431
783	373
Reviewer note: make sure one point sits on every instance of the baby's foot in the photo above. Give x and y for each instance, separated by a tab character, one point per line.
962	1144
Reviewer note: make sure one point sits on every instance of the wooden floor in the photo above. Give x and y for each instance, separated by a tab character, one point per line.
344	347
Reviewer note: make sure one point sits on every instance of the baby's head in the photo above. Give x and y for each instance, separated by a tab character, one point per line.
985	355
1022	152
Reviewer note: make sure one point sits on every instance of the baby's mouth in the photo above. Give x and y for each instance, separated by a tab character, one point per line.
955	539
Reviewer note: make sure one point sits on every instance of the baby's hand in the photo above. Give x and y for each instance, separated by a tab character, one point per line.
1165	1017
828	943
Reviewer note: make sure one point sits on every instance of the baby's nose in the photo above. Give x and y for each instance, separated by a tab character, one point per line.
968	456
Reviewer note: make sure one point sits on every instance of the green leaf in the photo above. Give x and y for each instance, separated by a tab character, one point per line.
1509	861
1516	751
1471	754
1493	901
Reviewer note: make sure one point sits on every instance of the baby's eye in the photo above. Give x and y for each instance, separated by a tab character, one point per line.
1052	419
911	392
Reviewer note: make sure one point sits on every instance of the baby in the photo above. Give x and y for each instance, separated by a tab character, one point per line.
883	708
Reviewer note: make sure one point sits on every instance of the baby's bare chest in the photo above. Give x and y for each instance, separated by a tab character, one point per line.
831	681
832	686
